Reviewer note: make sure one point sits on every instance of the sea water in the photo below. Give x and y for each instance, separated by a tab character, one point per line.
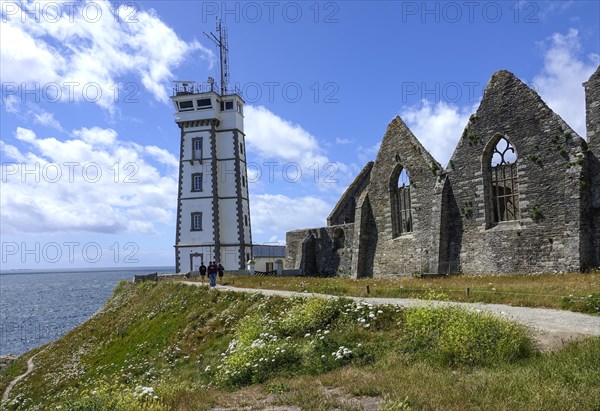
37	307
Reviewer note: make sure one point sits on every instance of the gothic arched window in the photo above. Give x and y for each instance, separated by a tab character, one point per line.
400	202
503	183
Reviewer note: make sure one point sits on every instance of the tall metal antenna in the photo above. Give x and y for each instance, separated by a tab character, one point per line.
221	42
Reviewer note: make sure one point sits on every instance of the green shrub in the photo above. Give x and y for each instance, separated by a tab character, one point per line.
589	304
308	316
249	328
311	336
455	336
115	397
592	303
245	364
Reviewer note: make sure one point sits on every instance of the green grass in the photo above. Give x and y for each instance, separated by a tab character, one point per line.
574	292
169	346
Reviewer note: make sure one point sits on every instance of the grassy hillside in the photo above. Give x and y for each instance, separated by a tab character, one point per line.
169	346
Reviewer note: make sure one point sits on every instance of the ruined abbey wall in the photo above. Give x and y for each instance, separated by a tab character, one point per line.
545	235
403	253
592	99
521	194
325	251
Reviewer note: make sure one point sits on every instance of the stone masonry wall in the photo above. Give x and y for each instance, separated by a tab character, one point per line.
546	238
413	251
592	102
365	238
558	223
321	251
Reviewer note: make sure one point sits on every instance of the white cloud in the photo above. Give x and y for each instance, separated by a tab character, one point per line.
11	152
11	104
85	51
26	110
273	214
46	119
162	156
342	141
546	8
96	135
366	154
91	183
438	127
271	138
24	134
559	82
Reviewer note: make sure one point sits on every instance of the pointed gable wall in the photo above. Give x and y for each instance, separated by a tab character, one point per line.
592	112
592	104
546	236
410	251
344	210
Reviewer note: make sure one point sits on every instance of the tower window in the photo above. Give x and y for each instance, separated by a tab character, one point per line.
241	148
204	103
503	183
227	105
400	202
197	148
197	182
197	221
246	220
186	105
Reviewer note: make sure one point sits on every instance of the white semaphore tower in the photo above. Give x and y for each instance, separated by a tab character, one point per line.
213	212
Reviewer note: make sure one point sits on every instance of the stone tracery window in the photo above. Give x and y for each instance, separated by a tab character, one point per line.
400	202
503	183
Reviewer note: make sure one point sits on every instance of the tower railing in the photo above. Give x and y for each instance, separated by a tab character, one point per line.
181	88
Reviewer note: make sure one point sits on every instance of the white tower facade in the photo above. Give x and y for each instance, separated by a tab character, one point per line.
213	211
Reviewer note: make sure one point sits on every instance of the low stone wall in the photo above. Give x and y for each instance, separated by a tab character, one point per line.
291	273
321	251
160	277
139	278
6	360
196	274
180	276
236	272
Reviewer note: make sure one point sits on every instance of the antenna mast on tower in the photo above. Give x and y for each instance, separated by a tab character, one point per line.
221	42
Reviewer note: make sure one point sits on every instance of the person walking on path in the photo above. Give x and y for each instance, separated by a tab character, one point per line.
212	274
221	271
202	272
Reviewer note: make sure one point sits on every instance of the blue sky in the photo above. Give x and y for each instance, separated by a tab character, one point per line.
89	146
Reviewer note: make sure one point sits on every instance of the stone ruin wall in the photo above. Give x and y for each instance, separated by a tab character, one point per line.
546	238
592	88
409	252
321	251
558	228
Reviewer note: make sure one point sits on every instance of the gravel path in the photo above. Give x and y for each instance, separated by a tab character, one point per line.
551	328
